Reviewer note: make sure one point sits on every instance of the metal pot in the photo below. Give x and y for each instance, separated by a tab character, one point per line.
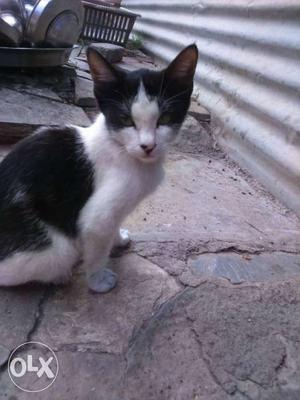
29	5
54	23
12	21
23	57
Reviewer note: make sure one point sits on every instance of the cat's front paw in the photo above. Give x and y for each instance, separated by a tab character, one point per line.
102	281
123	239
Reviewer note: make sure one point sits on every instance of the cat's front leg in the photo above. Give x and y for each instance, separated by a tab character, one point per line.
97	248
122	239
102	281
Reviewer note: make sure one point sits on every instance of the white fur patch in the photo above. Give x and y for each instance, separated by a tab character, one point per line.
54	264
144	111
121	181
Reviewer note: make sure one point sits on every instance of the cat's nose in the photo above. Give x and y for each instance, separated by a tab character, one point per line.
148	148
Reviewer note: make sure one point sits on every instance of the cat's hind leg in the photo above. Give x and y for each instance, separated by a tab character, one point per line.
122	239
52	264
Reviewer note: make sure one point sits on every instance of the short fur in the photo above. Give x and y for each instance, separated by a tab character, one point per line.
65	192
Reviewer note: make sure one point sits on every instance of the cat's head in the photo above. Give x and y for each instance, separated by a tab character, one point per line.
144	109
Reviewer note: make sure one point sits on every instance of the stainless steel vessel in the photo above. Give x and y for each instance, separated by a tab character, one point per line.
23	57
47	29
12	21
54	22
29	5
40	23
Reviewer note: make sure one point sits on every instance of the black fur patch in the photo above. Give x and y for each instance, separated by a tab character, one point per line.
45	179
115	98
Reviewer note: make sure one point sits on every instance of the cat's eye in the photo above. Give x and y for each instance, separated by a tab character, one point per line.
164	119
127	121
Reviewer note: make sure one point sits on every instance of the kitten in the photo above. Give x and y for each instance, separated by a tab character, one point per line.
64	192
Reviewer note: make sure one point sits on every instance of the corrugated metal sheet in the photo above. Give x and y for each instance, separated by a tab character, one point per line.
248	77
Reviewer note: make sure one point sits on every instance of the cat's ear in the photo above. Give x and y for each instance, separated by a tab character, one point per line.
184	66
102	71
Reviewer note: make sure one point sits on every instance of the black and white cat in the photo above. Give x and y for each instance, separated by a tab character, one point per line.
64	192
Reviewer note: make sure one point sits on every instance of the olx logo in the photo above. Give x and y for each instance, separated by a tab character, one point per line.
33	367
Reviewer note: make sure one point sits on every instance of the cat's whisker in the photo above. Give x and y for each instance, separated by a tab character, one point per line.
177	95
162	83
122	150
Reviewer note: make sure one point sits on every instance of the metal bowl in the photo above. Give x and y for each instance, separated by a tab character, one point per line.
12	21
29	5
55	22
9	35
23	57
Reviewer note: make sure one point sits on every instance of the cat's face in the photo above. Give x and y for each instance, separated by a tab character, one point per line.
144	109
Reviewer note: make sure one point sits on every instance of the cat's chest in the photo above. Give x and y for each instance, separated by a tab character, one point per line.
131	183
118	190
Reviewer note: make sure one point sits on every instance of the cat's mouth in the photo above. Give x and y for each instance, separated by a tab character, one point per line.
148	158
142	156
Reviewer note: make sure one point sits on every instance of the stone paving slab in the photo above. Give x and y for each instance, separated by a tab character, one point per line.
240	268
112	52
84	93
21	113
53	83
142	288
233	343
18	311
213	342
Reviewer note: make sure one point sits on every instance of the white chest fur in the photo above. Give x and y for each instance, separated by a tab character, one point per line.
120	181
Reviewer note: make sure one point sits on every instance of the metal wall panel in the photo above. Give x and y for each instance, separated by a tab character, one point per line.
248	77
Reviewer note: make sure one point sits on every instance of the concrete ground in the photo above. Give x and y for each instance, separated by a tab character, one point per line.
207	305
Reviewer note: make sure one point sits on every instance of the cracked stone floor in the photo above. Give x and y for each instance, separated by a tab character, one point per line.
207	305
